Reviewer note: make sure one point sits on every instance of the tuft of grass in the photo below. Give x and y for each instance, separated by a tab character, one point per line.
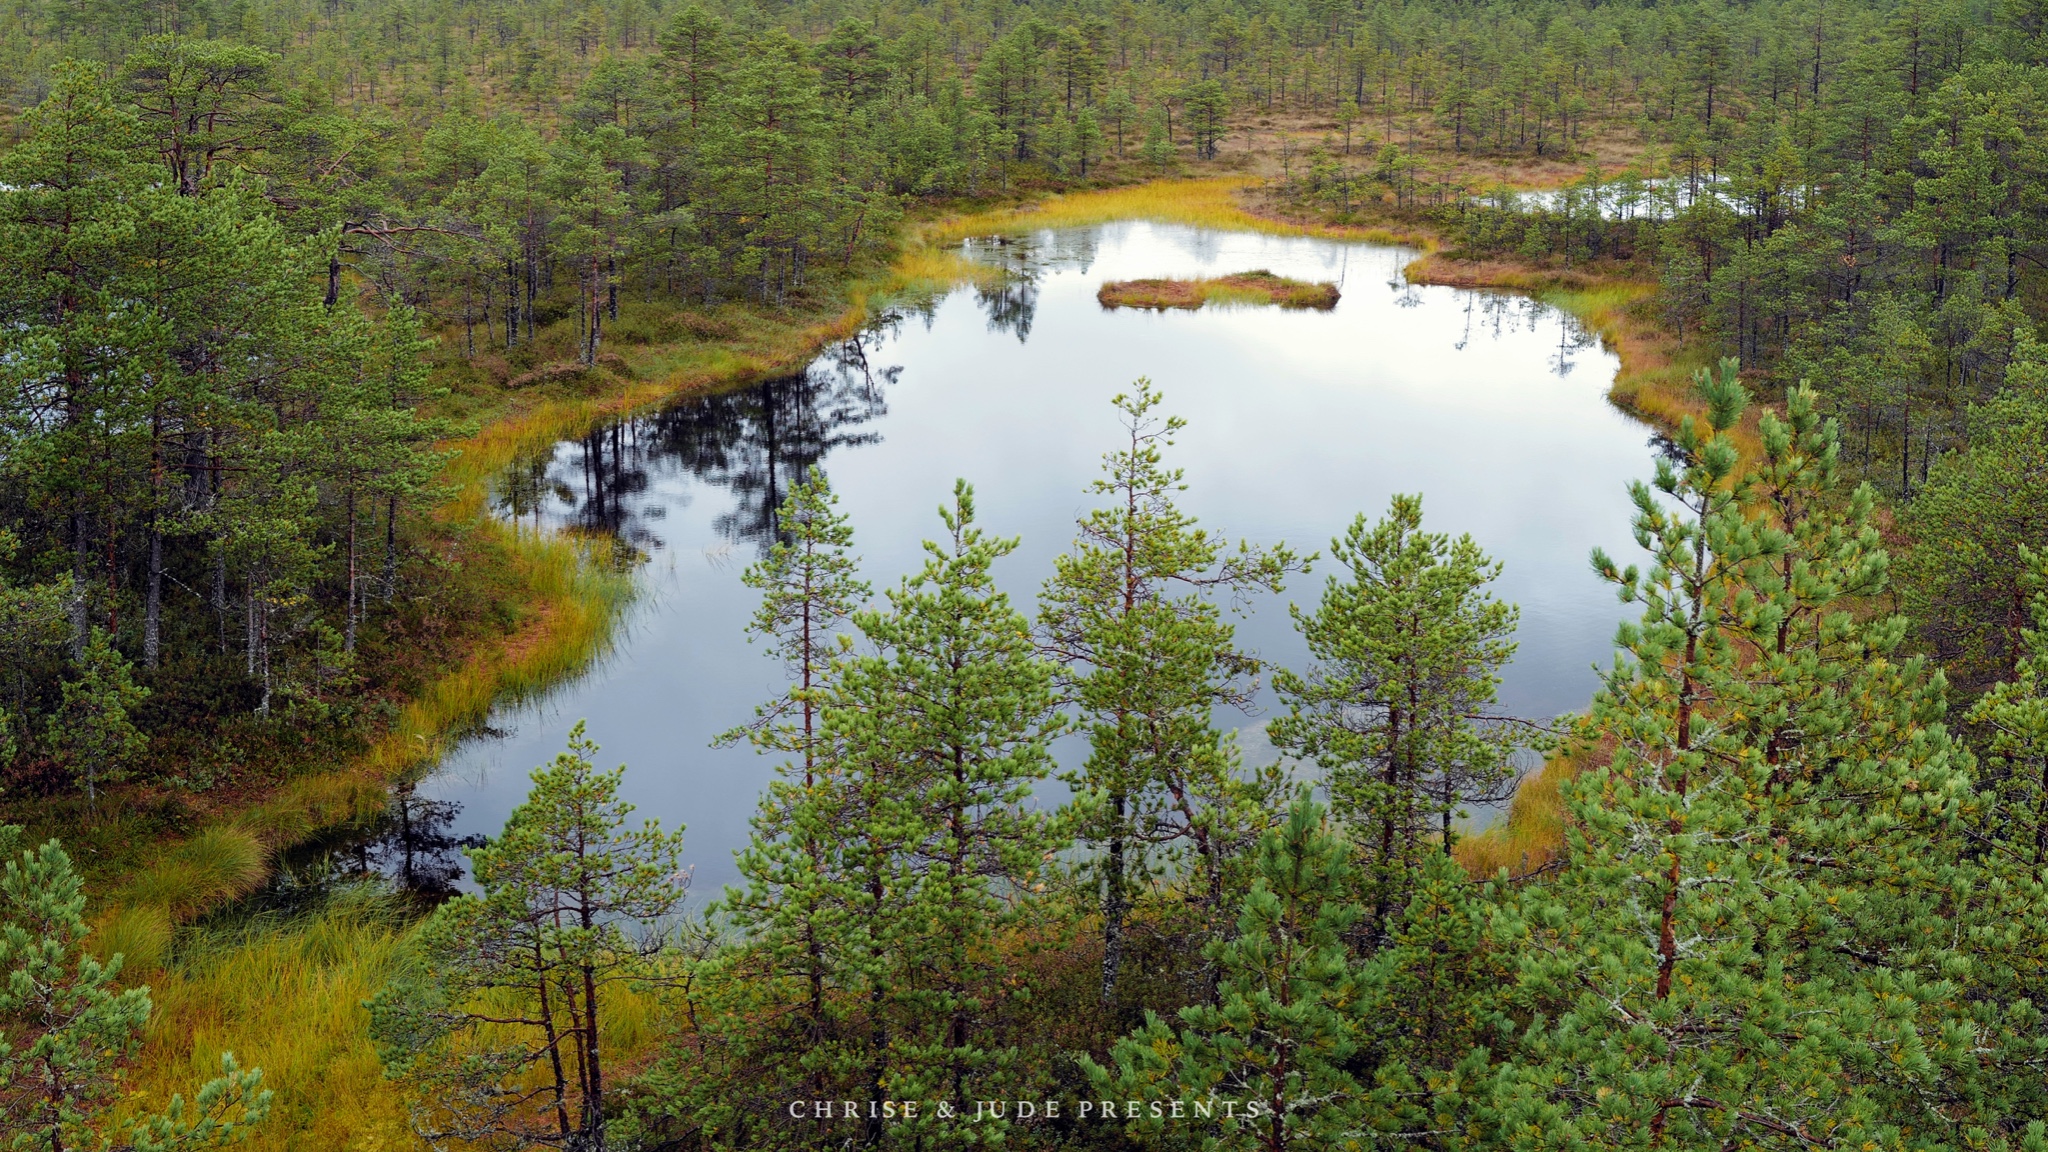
1241	288
1532	836
138	933
215	867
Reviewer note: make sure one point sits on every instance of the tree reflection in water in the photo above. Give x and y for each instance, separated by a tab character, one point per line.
410	847
756	441
753	442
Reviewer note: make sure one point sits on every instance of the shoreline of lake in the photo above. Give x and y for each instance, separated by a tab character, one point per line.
557	641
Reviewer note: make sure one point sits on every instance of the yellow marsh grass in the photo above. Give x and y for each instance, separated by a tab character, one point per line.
139	933
217	865
1532	833
287	999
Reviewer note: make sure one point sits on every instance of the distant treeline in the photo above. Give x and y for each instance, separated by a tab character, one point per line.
1853	196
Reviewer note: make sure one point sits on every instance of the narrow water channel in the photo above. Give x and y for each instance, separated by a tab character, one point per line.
1492	406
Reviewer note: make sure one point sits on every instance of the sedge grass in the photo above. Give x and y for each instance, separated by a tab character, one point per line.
286	998
1531	836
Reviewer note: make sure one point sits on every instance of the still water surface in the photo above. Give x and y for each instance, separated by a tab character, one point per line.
1492	406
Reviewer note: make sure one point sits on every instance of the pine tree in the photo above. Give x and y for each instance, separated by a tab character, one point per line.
91	732
1408	653
1660	937
2015	765
68	334
55	1092
2006	938
370	446
1963	576
1866	791
953	714
1747	938
497	1033
1130	615
881	880
1269	1064
1433	1004
809	591
1158	146
33	625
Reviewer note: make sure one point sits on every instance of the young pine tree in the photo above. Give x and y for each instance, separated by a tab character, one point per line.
56	1089
952	715
808	591
496	1031
922	846
1433	1002
1865	792
2008	939
1278	1043
1659	941
90	731
1147	655
1408	653
1743	943
2015	717
33	627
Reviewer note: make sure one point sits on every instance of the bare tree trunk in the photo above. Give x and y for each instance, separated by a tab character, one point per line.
153	584
249	632
81	570
220	601
390	549
348	641
1115	905
153	604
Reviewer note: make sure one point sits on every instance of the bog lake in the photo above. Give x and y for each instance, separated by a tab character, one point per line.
1491	405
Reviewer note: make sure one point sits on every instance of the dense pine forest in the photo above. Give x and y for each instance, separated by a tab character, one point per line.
280	283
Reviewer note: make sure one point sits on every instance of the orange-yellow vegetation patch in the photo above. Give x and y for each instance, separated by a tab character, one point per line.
1258	287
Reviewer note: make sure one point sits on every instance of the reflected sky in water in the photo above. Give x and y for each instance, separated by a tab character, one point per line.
1490	405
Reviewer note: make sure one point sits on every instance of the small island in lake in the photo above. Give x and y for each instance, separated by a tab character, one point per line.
1259	287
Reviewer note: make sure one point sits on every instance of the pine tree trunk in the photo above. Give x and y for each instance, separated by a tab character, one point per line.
153	592
547	1018
152	611
220	602
1115	905
391	549
81	569
249	632
593	1118
348	641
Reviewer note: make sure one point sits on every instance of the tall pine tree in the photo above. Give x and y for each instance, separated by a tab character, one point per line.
1408	653
1131	615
